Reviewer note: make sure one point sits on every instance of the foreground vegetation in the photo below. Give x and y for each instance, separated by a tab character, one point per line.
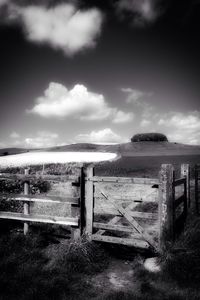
40	267
33	268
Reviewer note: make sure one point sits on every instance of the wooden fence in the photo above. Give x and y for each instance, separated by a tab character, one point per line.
140	212
74	219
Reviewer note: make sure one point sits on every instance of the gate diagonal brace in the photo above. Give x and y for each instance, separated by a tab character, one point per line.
116	219
129	218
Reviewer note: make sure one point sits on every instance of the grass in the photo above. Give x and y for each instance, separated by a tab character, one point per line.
180	274
32	269
181	261
144	166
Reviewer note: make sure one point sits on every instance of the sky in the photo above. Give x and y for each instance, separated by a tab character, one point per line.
98	71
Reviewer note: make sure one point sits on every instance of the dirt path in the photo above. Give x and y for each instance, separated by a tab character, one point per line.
119	276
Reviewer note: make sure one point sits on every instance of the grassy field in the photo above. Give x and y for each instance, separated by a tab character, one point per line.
144	166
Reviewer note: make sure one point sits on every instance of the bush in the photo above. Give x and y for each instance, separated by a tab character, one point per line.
149	137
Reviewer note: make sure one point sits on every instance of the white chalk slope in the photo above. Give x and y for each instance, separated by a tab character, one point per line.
37	158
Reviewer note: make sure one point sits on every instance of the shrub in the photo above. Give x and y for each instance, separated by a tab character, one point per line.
149	137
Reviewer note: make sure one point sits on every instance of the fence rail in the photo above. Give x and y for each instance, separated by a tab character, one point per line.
149	181
40	198
28	177
67	221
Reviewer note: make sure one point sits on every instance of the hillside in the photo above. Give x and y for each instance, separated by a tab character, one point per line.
125	149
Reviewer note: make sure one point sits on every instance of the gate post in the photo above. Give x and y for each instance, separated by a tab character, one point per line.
26	204
82	200
89	200
185	172
77	210
166	205
197	171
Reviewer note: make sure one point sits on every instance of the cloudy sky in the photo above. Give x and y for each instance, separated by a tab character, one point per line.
98	71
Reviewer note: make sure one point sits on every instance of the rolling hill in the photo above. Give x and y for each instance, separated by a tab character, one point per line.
126	149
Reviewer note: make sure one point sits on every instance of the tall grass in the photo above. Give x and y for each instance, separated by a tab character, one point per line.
181	261
29	269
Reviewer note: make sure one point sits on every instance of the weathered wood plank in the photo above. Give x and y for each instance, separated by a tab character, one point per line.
197	187
39	218
61	178
129	218
185	172
149	181
134	214
111	222
89	201
144	215
166	209
116	219
179	201
82	200
40	198
124	241
179	181
26	204
98	196
76	211
179	222
120	228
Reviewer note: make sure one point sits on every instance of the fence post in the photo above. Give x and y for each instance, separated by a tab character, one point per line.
166	205
197	171
89	201
82	200
26	204
185	172
76	209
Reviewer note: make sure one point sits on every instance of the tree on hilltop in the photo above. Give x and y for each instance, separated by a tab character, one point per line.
149	137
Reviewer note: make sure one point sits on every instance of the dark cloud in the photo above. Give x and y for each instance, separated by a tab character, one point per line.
140	12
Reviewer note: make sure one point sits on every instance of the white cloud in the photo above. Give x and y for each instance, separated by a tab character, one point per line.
133	95
78	102
102	136
182	127
145	123
182	121
136	96
42	139
14	135
139	101
122	117
59	102
63	27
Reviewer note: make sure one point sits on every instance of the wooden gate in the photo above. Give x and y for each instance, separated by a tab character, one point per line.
126	222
